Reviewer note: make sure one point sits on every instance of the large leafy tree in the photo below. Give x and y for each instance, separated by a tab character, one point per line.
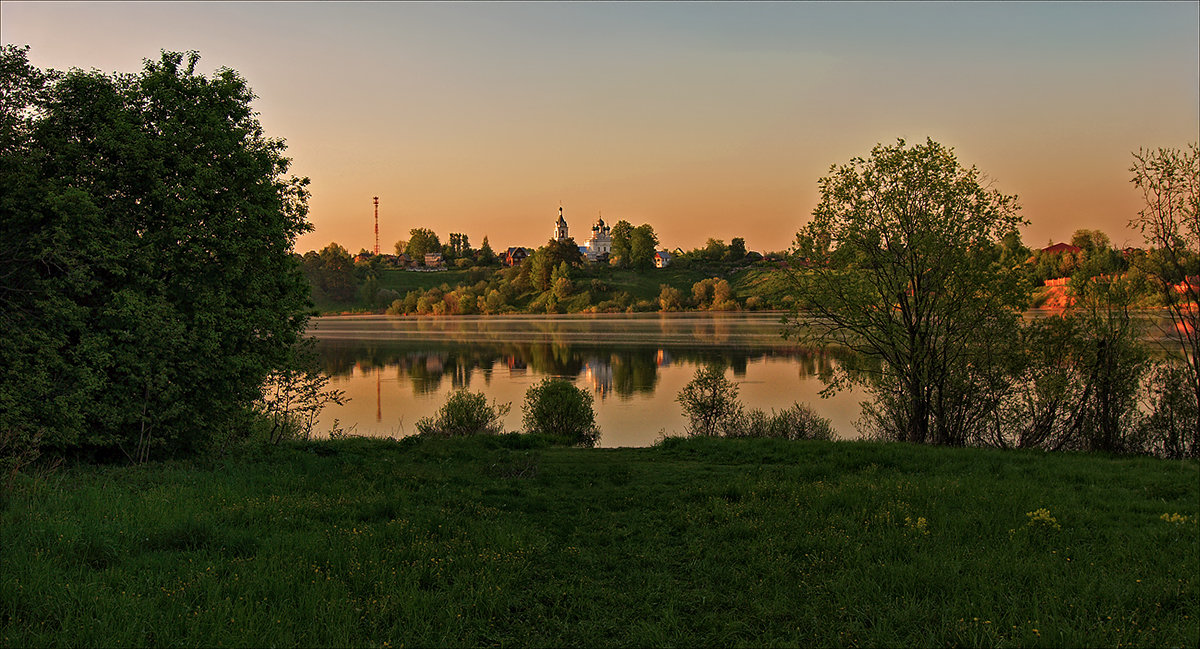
148	286
421	241
621	234
545	260
903	267
485	255
331	271
642	246
737	249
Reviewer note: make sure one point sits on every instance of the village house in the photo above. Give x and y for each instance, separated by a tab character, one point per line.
1060	248
662	259
1056	249
515	256
433	259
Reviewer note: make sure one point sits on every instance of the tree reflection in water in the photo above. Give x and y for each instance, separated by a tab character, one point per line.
625	358
614	366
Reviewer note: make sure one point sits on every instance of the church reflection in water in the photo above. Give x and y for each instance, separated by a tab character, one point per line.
398	372
620	372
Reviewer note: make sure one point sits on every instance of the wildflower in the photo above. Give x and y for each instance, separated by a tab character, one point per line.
920	525
1041	517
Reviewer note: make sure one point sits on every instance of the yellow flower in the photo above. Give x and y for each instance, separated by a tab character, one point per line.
920	525
1042	517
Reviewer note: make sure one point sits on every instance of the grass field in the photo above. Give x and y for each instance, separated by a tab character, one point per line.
507	541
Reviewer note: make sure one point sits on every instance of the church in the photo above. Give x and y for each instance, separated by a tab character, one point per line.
597	248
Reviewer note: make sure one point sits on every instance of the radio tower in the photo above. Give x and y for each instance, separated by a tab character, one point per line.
376	226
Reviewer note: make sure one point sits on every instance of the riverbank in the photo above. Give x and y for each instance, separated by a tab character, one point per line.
592	289
604	290
507	541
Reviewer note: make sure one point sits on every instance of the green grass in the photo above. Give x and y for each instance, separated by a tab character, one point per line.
773	286
403	281
641	285
647	284
508	541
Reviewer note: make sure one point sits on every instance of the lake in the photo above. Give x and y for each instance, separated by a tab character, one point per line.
397	370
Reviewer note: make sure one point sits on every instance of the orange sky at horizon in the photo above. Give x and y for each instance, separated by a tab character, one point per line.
766	207
701	119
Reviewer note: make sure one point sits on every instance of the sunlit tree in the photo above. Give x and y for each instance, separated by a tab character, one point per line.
421	241
902	257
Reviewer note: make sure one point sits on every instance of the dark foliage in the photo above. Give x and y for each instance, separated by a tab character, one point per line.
148	283
557	408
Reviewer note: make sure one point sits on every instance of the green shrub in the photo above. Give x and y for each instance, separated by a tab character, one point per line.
1169	430
670	298
797	422
710	403
386	297
465	413
555	407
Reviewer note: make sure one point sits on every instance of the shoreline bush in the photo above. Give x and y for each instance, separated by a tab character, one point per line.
558	408
465	413
710	403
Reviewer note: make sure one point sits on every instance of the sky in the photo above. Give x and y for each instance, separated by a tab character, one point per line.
701	119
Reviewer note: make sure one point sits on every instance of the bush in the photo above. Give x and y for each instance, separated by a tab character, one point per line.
386	296
710	403
148	285
670	298
555	407
294	396
796	422
465	413
1169	429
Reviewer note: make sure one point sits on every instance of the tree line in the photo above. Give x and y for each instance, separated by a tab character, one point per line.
905	263
150	294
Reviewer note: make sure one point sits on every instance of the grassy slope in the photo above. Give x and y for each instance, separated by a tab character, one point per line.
642	285
694	543
403	281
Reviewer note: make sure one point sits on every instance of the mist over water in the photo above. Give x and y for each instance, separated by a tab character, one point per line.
397	370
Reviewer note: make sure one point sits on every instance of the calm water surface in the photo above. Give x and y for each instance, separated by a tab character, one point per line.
397	370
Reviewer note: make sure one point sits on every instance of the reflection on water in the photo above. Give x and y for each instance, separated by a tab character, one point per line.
397	370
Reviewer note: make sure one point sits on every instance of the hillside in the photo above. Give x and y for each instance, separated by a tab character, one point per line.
596	288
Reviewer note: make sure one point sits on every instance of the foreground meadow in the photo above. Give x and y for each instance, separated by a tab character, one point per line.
509	541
